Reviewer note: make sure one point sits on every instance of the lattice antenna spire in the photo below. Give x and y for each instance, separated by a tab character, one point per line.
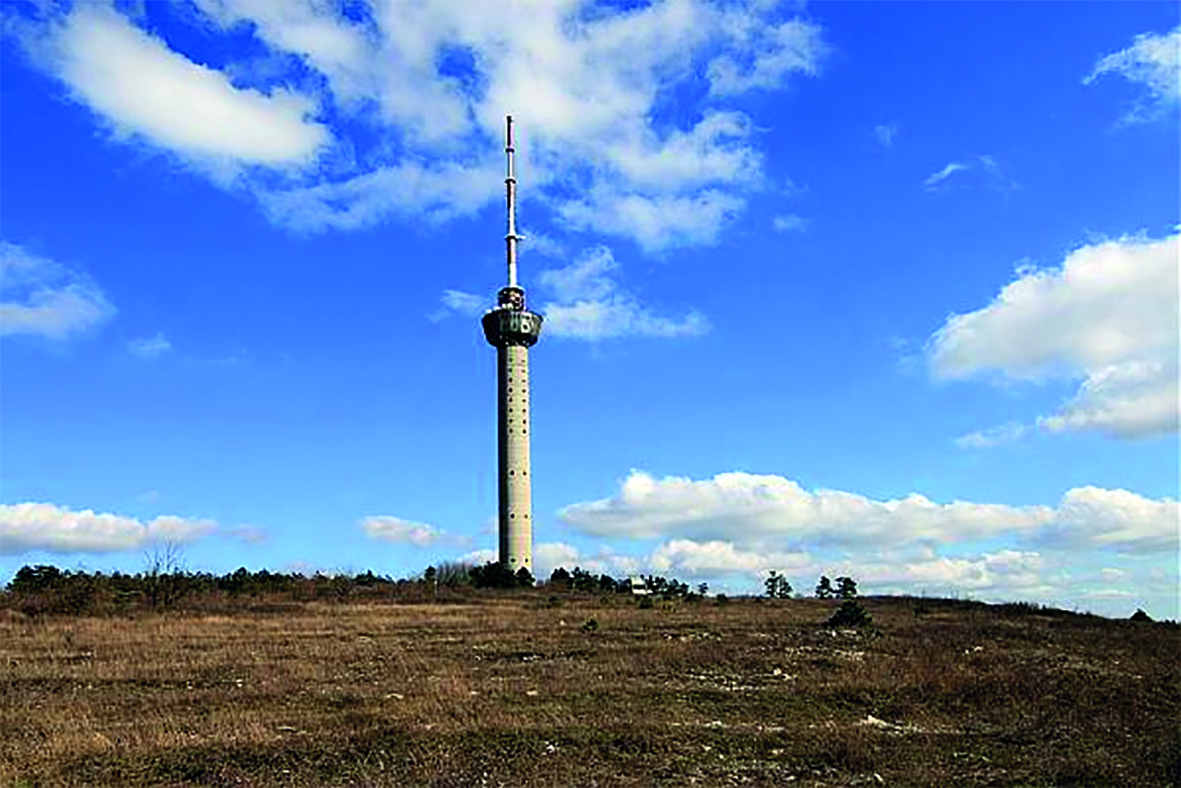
510	184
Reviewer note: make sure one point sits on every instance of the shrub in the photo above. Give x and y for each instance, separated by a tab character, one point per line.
850	614
453	573
496	575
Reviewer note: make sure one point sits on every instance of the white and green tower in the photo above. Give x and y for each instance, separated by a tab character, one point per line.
512	329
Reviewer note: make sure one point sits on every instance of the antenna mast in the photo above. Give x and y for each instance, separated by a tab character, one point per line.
510	184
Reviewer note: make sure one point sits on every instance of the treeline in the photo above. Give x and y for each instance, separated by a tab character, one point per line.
163	585
45	589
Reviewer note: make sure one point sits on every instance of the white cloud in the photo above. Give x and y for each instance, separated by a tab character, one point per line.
332	45
979	171
1153	61
1108	315
945	173
437	191
588	304
395	529
142	88
688	557
27	527
548	556
1115	518
457	302
656	222
149	348
790	223
769	55
400	106
751	509
42	298
886	134
480	557
246	534
762	512
1002	574
1005	573
1009	432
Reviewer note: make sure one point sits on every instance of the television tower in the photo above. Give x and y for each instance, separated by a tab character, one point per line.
512	330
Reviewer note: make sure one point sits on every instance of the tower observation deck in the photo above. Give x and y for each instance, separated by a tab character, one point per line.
512	329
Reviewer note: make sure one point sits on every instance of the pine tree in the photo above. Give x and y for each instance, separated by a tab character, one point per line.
777	586
846	588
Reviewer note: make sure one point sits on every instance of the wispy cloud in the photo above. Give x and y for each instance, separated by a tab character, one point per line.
149	348
457	302
790	223
939	177
982	170
399	531
344	140
587	303
145	90
1001	435
886	134
1154	61
39	297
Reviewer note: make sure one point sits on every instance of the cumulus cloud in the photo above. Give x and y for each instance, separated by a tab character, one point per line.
758	512
1002	574
28	527
688	557
42	298
397	530
397	108
588	304
1154	61
1006	573
1108	315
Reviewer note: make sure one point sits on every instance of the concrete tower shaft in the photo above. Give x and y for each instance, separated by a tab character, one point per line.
516	495
512	330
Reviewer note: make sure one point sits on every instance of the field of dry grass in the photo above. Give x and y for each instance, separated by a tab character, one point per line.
523	690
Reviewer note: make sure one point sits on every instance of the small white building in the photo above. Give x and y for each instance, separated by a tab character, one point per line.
637	585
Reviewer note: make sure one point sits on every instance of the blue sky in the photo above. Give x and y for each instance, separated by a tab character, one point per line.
888	290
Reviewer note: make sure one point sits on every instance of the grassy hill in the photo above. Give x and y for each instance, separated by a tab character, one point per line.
532	689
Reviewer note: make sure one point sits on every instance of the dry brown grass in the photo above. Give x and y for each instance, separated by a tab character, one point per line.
513	691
